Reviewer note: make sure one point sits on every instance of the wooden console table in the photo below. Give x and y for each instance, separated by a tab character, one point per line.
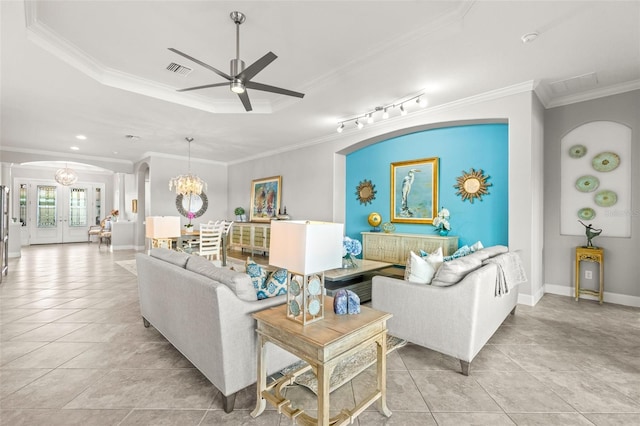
590	254
395	248
253	236
322	344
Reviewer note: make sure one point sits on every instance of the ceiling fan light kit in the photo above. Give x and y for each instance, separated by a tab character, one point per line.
239	78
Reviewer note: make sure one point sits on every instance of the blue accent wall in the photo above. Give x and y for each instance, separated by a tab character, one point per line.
460	148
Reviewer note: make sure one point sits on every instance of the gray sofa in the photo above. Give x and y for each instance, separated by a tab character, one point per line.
205	312
459	312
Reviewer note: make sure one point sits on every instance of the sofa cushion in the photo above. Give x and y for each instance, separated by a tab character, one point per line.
419	269
238	282
171	256
435	257
495	250
452	272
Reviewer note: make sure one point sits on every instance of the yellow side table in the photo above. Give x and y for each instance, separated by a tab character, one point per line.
590	254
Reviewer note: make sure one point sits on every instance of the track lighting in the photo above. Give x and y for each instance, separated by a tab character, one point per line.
370	118
384	109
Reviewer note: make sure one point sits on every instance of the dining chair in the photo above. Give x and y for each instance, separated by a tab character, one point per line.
211	241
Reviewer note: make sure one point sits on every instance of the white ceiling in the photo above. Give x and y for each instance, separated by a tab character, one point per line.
98	67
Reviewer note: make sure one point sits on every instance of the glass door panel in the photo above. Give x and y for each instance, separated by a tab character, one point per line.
46	228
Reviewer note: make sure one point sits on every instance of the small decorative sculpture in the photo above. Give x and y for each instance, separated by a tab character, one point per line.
346	302
591	233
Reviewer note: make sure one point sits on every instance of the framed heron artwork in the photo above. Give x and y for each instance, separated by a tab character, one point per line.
414	191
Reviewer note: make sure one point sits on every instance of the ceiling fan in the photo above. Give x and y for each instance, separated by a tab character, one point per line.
239	79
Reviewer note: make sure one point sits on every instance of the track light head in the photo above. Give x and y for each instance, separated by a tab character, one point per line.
370	118
340	128
385	113
402	110
421	101
359	124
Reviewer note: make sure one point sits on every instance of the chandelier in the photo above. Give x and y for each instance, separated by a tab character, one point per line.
66	176
187	184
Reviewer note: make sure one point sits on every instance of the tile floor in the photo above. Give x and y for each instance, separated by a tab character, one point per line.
74	352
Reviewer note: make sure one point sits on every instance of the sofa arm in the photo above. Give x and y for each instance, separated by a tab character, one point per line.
445	319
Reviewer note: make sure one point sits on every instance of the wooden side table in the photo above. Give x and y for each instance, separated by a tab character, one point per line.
590	254
322	344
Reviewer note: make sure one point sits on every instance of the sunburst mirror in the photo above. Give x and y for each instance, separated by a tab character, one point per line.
365	192
472	185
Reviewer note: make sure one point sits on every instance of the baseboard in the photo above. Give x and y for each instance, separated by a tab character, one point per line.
530	300
619	299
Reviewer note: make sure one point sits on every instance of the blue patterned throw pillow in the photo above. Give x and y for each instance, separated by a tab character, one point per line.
257	273
275	285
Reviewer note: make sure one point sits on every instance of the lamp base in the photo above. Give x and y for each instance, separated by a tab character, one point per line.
305	297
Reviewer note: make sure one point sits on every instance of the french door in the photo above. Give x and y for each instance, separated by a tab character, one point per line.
62	214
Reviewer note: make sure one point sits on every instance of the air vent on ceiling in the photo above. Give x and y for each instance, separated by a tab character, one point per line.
574	84
179	69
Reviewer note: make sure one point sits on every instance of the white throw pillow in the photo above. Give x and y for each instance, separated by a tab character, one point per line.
477	246
436	258
421	270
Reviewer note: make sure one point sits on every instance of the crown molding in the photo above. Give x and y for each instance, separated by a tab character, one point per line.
45	37
149	155
615	89
68	156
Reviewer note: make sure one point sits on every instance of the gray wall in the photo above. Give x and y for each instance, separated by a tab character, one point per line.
622	268
163	201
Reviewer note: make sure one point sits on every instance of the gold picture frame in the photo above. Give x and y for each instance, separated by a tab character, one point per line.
414	191
265	198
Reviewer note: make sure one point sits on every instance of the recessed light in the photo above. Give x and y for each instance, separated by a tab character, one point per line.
132	137
529	37
81	137
74	148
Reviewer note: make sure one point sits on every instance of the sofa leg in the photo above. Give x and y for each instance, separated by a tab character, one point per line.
228	402
465	367
145	322
513	311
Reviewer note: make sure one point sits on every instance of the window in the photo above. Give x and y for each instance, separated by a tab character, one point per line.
23	204
77	207
46	210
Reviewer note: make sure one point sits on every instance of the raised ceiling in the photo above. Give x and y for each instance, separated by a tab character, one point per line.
98	68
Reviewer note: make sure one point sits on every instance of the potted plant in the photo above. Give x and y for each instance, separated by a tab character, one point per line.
441	222
240	216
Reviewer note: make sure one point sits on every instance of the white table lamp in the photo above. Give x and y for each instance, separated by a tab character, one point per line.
162	229
306	249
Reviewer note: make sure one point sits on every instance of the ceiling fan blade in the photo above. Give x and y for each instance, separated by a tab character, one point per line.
273	89
209	67
206	86
244	97
257	66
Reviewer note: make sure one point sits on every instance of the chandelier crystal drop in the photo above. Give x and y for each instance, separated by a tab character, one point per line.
66	176
188	184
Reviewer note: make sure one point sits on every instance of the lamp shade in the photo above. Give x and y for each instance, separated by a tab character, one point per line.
162	227
306	247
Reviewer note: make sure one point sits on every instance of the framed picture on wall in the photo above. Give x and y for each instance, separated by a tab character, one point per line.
414	191
265	198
